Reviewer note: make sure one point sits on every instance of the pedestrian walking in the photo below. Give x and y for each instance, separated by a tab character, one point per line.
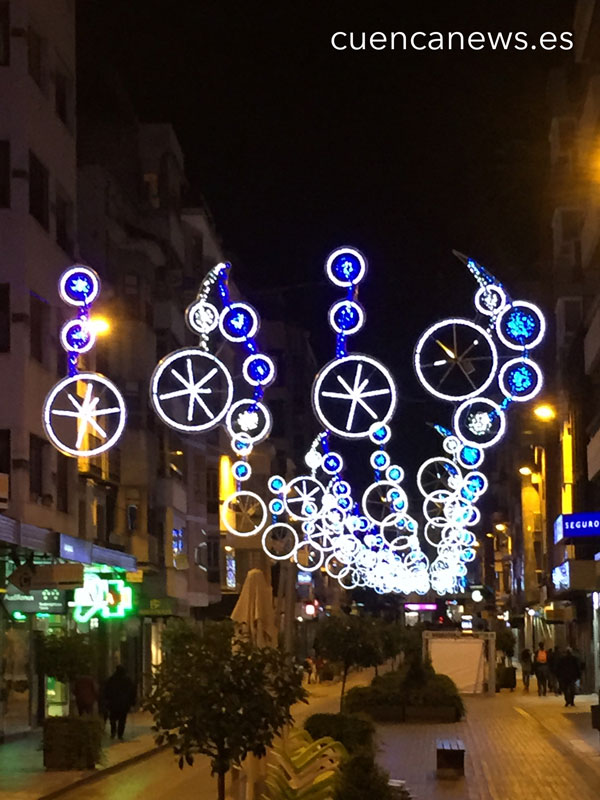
569	672
118	696
526	667
541	669
553	682
86	694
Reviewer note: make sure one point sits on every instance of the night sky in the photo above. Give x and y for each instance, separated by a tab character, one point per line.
298	148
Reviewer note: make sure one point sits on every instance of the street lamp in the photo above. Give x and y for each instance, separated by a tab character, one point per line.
525	470
500	526
545	412
100	325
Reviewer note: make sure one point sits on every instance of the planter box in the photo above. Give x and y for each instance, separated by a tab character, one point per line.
72	742
387	713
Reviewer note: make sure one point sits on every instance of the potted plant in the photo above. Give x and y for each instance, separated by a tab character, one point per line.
506	674
72	742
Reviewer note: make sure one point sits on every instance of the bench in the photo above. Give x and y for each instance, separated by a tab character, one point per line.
450	758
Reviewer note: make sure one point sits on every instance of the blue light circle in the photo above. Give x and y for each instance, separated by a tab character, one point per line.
379	460
470	456
79	285
241	470
259	370
394	473
379	434
520	379
276	484
341	488
346	316
276	506
238	322
346	266
332	463
521	325
77	336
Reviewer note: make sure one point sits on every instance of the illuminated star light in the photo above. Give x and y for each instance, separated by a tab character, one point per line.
356	395
86	414
193	388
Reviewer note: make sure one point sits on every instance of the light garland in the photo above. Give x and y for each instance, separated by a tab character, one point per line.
84	404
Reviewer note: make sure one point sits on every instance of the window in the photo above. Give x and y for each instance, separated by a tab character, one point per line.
178	541
64	223
38	190
37	315
4	317
62	483
5	451
35	58
212	491
36	470
62	96
4	174
4	33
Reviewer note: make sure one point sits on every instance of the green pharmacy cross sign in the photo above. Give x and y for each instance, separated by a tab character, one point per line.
101	597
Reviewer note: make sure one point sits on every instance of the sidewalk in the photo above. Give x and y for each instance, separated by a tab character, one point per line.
22	773
23	777
518	746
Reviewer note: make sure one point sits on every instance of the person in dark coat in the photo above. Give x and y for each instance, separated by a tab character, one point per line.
569	672
118	697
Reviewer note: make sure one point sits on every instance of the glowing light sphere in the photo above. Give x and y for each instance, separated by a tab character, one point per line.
79	285
469	456
380	434
250	417
243	513
480	423
394	473
238	322
259	370
521	325
276	484
346	266
81	409
490	299
350	392
455	359
77	336
346	317
520	379
191	390
202	317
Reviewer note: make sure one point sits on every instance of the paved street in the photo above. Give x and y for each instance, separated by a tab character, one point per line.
518	747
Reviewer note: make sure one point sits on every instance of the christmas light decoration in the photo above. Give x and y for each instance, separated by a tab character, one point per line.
84	414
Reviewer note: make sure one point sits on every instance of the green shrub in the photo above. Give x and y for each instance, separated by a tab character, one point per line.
355	733
72	742
362	779
416	685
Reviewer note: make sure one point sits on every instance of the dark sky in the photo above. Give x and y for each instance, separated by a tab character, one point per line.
298	148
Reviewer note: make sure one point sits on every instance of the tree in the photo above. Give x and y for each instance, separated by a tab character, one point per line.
505	642
350	641
219	696
66	656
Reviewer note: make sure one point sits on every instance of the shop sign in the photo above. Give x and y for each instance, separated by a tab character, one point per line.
157	606
46	576
36	601
101	597
570	526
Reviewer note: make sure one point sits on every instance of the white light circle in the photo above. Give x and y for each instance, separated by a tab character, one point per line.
377	502
535	311
71	325
490	300
250	417
462	410
279	541
63	405
249	511
520	398
438	473
304	497
309	556
70	273
362	262
201	317
242	308
358	395
354	306
432	333
189	372
241	444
